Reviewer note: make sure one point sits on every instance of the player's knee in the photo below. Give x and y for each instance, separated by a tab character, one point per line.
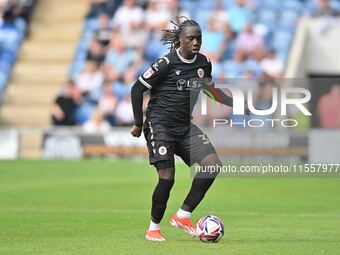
211	160
166	174
213	163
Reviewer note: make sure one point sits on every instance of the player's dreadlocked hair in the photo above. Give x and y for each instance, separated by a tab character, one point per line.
171	36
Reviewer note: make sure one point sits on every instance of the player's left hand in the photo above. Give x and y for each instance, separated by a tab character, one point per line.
136	131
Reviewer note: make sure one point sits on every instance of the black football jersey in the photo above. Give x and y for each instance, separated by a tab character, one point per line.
175	84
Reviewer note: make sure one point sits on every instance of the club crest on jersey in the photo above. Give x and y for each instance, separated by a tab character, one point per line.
181	84
148	73
200	72
162	150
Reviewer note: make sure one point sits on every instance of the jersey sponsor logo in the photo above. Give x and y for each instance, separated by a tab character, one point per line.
148	73
162	150
178	72
181	84
200	72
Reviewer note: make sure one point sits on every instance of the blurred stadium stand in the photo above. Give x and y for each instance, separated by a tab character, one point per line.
108	52
81	59
14	20
42	63
223	24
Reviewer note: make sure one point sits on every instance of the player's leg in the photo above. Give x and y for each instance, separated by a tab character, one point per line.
201	183
161	154
196	149
160	196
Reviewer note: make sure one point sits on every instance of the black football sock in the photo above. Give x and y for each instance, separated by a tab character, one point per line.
160	198
197	192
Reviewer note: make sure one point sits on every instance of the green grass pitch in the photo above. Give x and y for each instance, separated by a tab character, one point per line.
102	207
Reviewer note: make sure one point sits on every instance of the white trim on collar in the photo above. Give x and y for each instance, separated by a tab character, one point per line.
188	61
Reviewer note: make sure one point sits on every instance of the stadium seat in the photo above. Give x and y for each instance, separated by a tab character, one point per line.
90	25
335	4
188	5
281	40
207	5
3	81
227	4
253	66
233	69
293	5
271	5
20	26
202	18
288	20
267	18
309	7
84	112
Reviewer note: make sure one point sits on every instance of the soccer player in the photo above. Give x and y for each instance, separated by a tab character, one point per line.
168	129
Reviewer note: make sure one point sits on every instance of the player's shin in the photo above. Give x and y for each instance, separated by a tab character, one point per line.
160	198
201	183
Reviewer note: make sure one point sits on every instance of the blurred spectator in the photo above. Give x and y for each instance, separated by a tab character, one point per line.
65	105
214	41
248	81
234	67
8	32
108	102
272	64
96	8
324	9
220	15
90	79
156	18
103	33
17	9
22	9
96	53
128	16
124	113
121	89
248	42
240	15
128	22
170	6
252	65
96	124
328	108
121	61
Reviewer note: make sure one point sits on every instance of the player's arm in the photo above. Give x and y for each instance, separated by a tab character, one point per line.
148	80
217	94
221	97
137	105
214	93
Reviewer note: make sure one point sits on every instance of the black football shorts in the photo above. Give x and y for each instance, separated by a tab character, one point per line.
192	146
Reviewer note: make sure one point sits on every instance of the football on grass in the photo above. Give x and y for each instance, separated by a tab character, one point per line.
210	229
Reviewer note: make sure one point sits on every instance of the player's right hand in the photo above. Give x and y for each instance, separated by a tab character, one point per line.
136	131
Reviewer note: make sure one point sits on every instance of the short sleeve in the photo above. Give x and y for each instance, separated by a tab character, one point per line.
155	73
